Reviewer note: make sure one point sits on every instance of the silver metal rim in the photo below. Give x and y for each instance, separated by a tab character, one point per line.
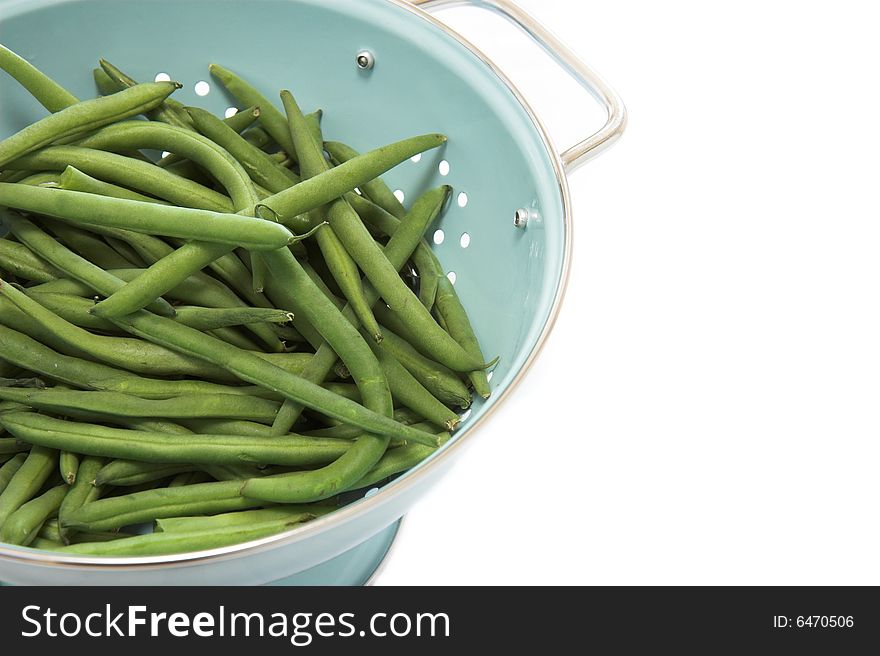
404	482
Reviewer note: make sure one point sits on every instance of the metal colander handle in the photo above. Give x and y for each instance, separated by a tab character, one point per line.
562	54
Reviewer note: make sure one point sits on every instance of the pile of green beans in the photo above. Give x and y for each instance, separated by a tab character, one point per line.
219	343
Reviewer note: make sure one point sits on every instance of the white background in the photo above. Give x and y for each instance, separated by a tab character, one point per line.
706	410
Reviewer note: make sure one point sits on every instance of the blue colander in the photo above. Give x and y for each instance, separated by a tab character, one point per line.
382	70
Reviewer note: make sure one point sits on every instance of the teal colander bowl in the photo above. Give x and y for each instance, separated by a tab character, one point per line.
506	240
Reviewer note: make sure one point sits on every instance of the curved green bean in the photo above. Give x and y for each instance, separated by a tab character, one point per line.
395	462
87	245
257	163
48	93
239	122
85	116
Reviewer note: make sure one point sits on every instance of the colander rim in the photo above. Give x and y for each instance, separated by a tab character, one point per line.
403	482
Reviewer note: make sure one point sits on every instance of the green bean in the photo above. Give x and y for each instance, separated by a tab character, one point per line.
125	473
260	138
170	111
88	246
397	251
68	464
394	462
200	499
148	218
232	472
128	253
206	426
425	261
159	544
51	531
48	93
82	492
22	526
72	179
31	355
455	320
114	404
44	178
337	258
75	309
105	84
85	116
134	355
154	447
28	480
235	338
70	263
128	172
250	367
407	390
239	122
376	190
21	262
242	120
271	119
259	166
199	290
190	478
295	513
10	468
195	147
443	383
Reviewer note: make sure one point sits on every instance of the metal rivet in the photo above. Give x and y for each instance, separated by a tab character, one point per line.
521	218
365	60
